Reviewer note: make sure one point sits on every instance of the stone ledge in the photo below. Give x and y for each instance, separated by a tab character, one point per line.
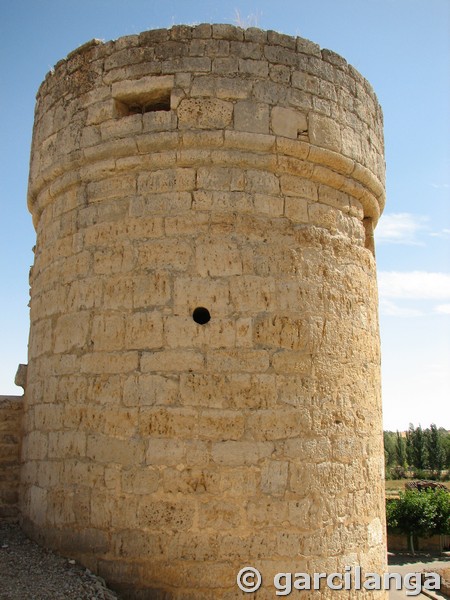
330	167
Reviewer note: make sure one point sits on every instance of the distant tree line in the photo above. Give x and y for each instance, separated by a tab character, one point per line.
422	453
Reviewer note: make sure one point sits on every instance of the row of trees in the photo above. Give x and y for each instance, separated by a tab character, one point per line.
420	514
424	452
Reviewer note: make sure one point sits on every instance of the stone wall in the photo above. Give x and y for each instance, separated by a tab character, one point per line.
240	172
11	408
400	542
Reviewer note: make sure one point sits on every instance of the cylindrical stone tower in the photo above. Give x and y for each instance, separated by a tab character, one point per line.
204	371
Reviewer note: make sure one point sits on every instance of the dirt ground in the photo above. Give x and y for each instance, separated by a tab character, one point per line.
29	572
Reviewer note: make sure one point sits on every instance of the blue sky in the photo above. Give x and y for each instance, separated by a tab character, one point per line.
401	46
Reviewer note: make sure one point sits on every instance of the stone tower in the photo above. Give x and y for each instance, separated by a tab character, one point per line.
203	383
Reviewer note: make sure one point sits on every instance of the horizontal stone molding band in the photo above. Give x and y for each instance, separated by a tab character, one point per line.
231	148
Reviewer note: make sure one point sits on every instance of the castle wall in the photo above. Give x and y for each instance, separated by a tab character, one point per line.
11	408
241	172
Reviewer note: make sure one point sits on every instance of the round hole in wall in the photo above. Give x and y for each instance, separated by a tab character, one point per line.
201	315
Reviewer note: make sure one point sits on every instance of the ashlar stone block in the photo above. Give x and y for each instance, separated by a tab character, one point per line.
288	122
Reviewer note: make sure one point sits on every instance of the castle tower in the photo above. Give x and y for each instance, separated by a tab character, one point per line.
204	371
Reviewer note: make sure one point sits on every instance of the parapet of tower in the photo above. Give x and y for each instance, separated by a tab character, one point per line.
203	384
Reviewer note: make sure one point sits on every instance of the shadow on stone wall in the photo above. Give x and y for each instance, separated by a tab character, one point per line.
11	408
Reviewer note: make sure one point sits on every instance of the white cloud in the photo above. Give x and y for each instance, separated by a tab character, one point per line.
443	309
400	228
414	285
445	233
390	309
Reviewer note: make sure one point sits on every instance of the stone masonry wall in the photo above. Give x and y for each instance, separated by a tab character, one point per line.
11	408
241	171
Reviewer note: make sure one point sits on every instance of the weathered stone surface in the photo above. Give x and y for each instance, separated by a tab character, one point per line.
21	376
203	382
288	122
11	408
324	132
204	113
251	116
